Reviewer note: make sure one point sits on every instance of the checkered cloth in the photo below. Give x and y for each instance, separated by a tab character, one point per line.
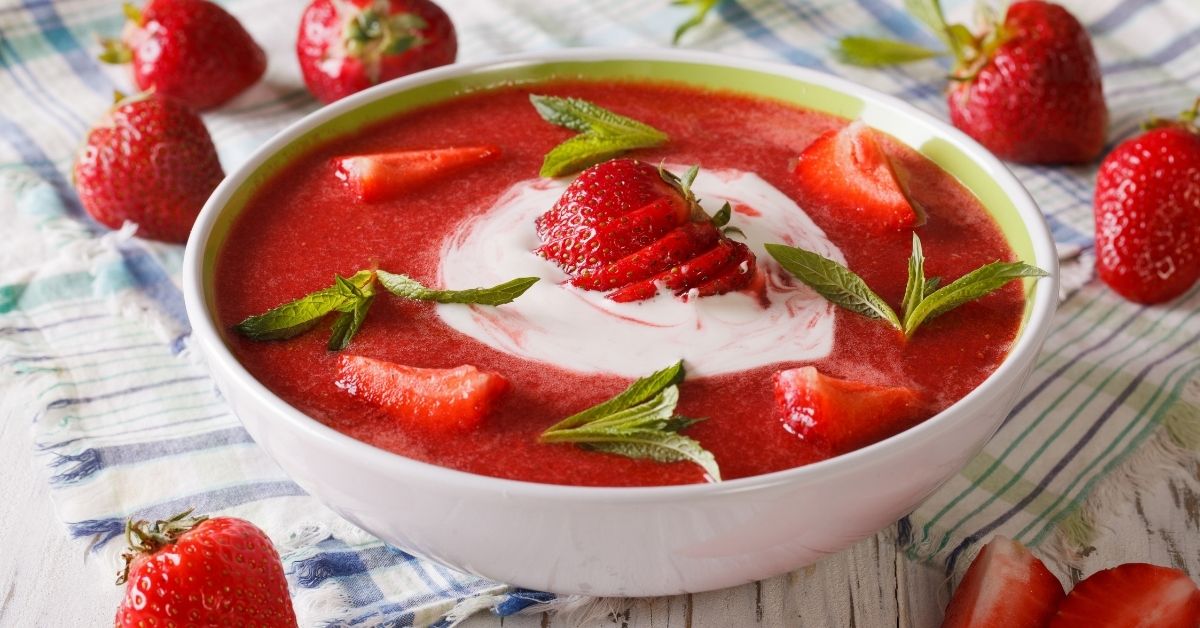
93	337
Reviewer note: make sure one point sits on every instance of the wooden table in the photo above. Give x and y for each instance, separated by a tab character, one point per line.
44	581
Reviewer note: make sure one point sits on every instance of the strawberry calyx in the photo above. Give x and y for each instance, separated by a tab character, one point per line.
145	538
1186	120
116	51
373	33
683	185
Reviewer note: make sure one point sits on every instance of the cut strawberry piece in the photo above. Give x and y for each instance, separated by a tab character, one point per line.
454	399
839	415
1006	586
630	226
848	170
1133	595
673	248
734	275
385	175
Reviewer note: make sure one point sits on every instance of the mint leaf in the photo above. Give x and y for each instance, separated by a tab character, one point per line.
296	317
973	285
640	422
353	311
834	282
637	392
582	151
662	447
916	288
603	134
409	288
347	324
872	53
702	9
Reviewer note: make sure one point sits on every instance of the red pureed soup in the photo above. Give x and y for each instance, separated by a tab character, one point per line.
305	225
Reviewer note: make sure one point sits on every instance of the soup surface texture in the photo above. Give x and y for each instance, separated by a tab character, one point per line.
302	227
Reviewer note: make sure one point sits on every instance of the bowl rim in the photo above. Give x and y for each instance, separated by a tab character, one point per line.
218	356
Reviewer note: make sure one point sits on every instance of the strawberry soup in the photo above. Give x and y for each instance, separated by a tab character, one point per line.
563	345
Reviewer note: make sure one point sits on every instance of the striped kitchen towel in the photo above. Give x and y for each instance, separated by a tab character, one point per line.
93	339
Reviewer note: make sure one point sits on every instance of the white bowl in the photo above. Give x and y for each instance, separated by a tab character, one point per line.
627	541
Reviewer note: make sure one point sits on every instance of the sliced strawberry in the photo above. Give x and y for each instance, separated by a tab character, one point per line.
840	415
675	247
848	170
1006	586
454	399
384	175
734	275
1133	595
632	227
597	197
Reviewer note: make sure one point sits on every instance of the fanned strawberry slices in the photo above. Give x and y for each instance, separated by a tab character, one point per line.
850	171
632	228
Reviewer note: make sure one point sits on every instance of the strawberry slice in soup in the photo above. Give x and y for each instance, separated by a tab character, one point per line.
382	176
840	415
441	400
848	170
1006	586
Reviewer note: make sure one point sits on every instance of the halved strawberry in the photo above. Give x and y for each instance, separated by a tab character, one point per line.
1133	595
385	175
840	415
1006	586
848	170
454	399
630	226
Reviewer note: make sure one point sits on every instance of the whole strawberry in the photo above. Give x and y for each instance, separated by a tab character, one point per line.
1148	212
195	571
192	50
346	46
1027	88
150	161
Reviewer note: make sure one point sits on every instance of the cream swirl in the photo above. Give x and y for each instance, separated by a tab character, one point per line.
581	330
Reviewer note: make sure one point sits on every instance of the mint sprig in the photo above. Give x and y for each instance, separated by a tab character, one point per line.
296	317
350	319
640	422
834	282
352	298
923	299
409	288
602	134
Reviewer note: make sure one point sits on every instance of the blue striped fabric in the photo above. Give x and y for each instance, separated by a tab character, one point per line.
93	336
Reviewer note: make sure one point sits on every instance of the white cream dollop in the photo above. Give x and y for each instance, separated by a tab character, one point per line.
581	330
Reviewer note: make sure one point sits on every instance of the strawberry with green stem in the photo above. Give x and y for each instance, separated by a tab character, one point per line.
346	46
1147	210
1028	88
192	50
151	161
195	571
